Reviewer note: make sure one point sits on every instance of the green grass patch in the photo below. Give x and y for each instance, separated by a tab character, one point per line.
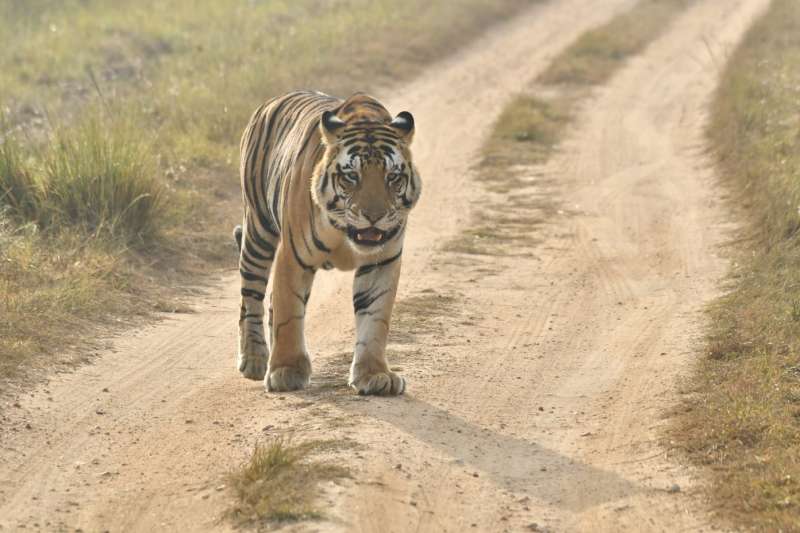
279	482
743	421
100	176
528	130
97	176
598	53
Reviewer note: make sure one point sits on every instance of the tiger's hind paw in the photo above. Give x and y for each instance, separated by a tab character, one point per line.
252	366
379	383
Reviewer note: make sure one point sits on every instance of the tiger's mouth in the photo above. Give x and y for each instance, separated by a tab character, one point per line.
367	237
370	236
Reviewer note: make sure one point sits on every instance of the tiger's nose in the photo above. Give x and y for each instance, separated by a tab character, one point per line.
373	217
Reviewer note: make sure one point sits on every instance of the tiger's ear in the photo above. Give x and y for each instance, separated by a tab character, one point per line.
329	125
403	124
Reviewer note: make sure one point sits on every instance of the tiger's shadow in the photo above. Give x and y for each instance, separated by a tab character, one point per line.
516	464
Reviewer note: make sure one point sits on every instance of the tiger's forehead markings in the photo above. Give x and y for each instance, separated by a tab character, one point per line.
371	145
353	107
369	131
365	154
368	140
369	135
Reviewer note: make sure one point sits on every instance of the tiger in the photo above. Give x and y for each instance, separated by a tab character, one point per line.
326	183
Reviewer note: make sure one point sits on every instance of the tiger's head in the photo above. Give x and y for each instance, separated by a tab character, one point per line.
366	183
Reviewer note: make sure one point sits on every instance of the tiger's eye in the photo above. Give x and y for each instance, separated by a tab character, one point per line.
352	177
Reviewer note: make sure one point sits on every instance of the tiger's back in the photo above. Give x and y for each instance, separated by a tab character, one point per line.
274	140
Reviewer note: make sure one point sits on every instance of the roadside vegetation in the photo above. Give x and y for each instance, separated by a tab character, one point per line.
278	483
70	208
530	127
97	176
742	422
120	128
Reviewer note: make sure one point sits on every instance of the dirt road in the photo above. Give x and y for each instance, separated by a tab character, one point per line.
538	379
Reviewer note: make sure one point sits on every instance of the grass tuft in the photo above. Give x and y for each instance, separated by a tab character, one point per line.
528	129
278	482
100	176
20	194
529	119
97	176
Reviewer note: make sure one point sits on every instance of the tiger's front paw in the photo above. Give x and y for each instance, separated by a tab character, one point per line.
379	383
290	377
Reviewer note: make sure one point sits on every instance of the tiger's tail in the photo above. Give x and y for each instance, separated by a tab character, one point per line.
237	235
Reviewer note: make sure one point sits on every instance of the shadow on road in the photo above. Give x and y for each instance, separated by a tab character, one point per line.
516	464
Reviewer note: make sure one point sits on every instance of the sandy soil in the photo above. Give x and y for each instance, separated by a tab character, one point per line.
539	378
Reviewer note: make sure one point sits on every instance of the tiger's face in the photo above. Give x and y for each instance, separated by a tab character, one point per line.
367	183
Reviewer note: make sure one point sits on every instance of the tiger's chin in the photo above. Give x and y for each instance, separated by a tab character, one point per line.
370	240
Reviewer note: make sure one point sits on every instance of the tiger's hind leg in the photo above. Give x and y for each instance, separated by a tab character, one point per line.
257	251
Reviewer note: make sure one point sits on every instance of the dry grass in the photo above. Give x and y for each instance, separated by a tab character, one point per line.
61	288
49	293
279	482
598	53
743	420
20	194
526	133
98	213
96	176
